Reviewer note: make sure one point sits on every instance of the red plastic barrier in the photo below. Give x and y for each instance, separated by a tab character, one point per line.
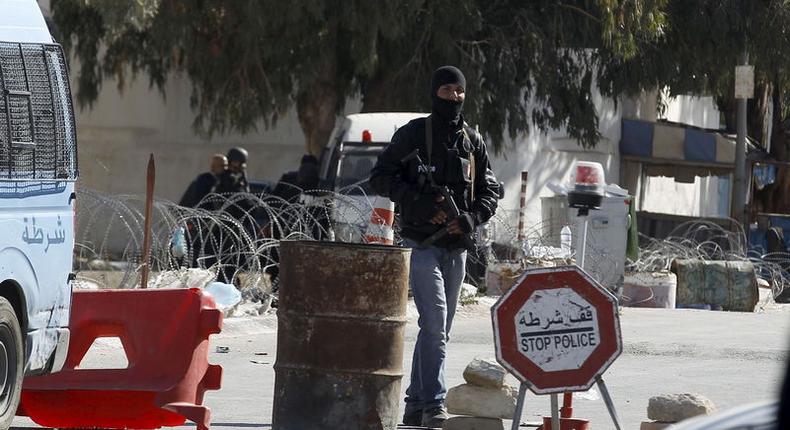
165	334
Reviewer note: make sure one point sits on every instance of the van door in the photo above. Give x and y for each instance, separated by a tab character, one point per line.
38	169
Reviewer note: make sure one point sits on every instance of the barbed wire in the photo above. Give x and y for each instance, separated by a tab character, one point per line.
709	241
235	238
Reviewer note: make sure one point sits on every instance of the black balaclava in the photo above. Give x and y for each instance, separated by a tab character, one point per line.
447	110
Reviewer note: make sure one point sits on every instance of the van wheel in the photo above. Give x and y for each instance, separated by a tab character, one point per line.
11	363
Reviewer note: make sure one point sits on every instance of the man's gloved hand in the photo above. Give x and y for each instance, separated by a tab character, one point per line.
464	224
440	217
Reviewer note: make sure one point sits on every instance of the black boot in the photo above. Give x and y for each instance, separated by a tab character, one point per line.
434	417
412	417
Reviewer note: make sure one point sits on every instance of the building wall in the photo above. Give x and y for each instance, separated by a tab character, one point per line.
708	196
550	158
117	134
696	111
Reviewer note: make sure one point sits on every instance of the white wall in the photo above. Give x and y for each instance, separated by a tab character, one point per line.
117	134
549	158
704	197
696	111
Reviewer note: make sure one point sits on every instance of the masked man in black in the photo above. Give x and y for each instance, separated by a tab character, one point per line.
456	157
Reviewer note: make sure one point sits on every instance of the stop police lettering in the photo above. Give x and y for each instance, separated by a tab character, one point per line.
558	341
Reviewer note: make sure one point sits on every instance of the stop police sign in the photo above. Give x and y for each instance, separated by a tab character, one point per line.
557	329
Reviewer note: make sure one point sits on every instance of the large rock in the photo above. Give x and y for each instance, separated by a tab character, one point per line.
671	408
468	295
485	373
482	402
99	265
183	278
473	423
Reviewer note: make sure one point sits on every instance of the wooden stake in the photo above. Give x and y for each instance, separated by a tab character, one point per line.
149	204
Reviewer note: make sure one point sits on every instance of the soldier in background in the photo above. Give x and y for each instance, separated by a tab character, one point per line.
233	181
199	188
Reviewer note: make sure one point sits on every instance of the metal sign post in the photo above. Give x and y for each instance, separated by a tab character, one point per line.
744	90
583	252
557	330
555	413
607	398
609	403
522	394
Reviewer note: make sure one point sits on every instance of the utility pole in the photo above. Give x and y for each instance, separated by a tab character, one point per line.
744	90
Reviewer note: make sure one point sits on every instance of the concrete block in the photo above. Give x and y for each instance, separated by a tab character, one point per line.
484	402
671	408
473	423
654	425
485	372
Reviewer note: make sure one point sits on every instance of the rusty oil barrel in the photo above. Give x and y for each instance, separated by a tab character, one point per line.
340	328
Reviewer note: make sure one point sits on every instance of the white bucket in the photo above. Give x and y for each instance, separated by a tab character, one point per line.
650	290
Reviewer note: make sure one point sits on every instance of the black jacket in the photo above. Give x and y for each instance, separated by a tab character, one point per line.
198	189
229	183
287	188
402	183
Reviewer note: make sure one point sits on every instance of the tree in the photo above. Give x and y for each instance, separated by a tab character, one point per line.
249	61
527	62
702	42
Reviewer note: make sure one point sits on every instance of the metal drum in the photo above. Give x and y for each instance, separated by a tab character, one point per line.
340	330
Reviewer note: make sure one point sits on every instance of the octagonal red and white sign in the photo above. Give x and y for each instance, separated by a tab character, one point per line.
557	329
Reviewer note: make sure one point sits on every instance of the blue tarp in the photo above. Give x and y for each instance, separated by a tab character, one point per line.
699	146
637	138
668	141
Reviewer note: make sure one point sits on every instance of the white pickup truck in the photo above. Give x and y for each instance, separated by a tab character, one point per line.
353	148
38	170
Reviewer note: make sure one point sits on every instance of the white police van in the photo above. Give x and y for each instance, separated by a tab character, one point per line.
38	170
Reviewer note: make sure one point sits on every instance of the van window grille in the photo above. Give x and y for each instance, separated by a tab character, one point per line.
37	130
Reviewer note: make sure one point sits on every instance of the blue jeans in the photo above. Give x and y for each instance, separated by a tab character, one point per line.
435	278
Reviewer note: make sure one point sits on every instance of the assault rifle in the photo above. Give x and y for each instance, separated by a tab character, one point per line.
447	204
